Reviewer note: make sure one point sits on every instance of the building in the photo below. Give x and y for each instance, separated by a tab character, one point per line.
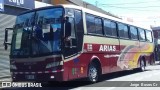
79	3
9	9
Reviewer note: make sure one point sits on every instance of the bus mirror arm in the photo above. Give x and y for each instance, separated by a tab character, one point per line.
66	17
6	43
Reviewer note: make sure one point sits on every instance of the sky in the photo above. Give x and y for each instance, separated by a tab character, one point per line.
143	12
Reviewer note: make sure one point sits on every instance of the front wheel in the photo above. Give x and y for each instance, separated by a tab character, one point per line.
93	73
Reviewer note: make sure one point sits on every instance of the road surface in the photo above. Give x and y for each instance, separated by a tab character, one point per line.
114	81
152	73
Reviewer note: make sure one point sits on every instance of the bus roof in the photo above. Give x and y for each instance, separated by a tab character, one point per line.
88	11
102	15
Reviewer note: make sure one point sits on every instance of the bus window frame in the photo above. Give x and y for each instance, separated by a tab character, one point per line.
151	36
94	34
129	26
110	36
119	33
140	34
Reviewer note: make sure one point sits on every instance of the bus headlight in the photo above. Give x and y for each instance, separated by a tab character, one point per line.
13	67
54	64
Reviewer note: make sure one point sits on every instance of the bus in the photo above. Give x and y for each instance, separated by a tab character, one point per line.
67	42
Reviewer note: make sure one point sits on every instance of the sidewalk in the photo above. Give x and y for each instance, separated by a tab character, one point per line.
5	78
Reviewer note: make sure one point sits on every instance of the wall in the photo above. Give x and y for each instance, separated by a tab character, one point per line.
41	4
7	20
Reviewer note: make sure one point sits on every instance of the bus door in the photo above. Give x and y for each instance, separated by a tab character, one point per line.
73	41
70	38
73	33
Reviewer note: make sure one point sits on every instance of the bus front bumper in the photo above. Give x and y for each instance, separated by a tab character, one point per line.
37	77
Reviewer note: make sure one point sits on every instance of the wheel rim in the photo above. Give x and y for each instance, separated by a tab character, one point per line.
93	73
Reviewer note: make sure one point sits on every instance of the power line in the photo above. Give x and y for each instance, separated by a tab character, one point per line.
134	7
143	8
130	8
131	3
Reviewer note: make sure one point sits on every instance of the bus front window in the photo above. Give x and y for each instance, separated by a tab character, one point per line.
21	35
37	33
46	32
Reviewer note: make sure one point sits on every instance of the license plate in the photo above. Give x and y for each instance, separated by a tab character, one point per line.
30	77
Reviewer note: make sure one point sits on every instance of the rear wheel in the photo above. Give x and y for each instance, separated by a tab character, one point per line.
142	65
93	74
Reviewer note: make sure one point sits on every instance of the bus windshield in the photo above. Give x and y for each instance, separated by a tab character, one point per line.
37	33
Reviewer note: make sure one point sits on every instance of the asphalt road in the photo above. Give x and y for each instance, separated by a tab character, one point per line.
114	81
150	76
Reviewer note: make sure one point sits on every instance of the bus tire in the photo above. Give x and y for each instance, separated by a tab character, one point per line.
142	65
93	73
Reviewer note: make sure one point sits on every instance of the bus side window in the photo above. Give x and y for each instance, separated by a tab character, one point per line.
142	34
110	28
98	26
123	30
90	22
133	33
149	36
79	29
94	24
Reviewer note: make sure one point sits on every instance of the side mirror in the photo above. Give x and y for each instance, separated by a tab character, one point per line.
6	43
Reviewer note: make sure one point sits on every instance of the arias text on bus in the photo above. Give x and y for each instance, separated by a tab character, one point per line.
107	48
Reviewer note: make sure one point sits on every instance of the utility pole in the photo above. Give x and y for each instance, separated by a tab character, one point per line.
96	3
155	23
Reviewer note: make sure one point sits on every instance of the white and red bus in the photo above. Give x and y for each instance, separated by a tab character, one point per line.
66	42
